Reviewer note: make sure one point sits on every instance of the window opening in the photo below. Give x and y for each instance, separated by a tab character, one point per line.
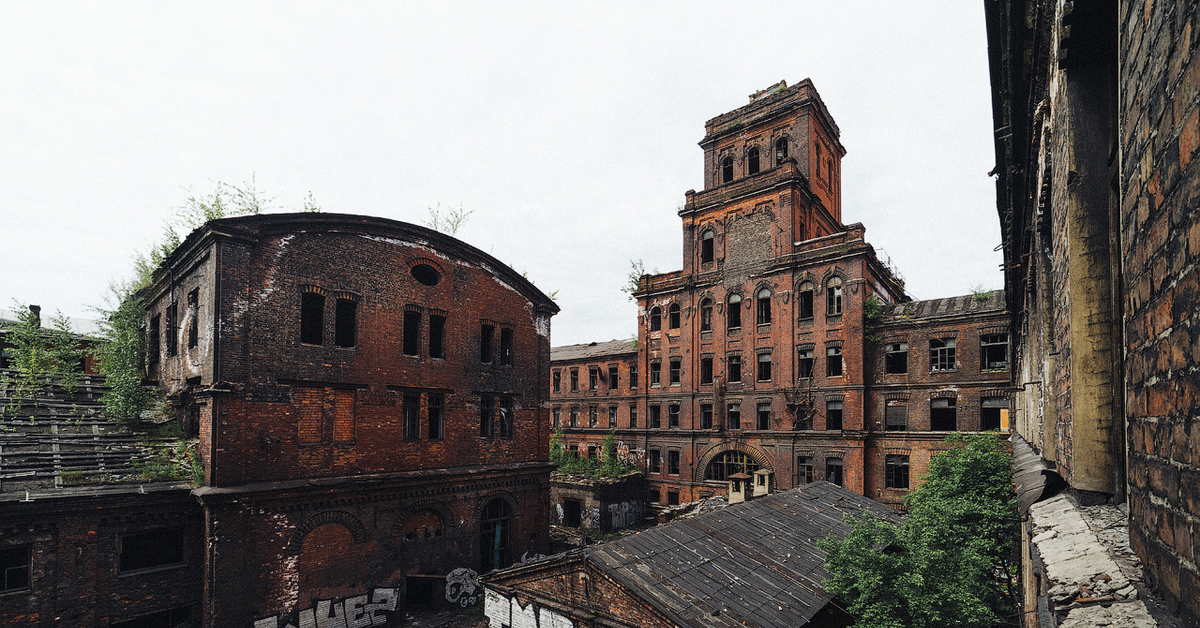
613	378
806	363
633	376
706	370
728	463
833	362
655	319
676	370
764	367
655	417
896	416
941	354
752	158
312	315
733	416
805	301
943	415
672	498
897	471
437	336
574	380
345	315
486	415
593	378
412	333
592	422
633	416
833	415
153	337
507	416
706	416
574	417
487	336
14	568
994	349
673	462
154	548
557	414
506	347
411	410
781	150
706	315
733	314
833	470
493	539
557	381
655	373
734	368
895	360
706	247
673	415
172	329
764	416
673	316
727	169
193	300
655	461
612	416
991	412
426	274
833	297
764	307
804	470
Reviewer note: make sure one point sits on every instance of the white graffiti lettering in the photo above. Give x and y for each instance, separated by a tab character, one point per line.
461	587
501	611
625	514
354	612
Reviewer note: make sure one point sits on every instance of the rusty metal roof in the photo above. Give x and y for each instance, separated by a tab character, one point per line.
593	350
990	301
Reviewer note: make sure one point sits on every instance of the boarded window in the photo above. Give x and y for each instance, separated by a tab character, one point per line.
896	416
345	323
154	548
437	336
312	318
412	333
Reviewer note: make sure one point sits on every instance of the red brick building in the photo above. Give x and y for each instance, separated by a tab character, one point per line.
756	355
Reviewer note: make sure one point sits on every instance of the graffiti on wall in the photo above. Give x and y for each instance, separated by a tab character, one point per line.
359	611
625	514
591	518
630	455
502	611
462	587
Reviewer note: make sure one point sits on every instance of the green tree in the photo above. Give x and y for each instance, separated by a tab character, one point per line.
950	563
40	356
121	353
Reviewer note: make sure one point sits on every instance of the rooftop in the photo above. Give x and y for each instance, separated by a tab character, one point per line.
593	350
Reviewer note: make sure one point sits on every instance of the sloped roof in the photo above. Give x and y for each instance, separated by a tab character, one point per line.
751	564
991	301
592	350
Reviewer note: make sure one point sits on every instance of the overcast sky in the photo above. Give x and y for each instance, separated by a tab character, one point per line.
569	129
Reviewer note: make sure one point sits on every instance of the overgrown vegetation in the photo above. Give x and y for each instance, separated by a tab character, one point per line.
121	354
872	317
980	294
609	465
40	356
951	563
172	461
448	221
633	281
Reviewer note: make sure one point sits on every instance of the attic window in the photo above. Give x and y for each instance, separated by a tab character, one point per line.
426	274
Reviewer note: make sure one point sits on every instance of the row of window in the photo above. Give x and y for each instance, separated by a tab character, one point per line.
136	552
754	160
993	354
943	414
496	415
762	309
596	375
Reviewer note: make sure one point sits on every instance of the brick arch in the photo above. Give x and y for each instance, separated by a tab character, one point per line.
807	276
339	517
417	261
835	271
763	284
314	289
716	450
486	499
437	507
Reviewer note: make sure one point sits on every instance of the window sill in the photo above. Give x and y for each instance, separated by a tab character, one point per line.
764	328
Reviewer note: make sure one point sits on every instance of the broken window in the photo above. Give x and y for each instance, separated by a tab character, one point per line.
833	362
673	415
706	247
833	470
733	314
612	416
487	336
574	417
632	416
572	513
412	332
804	470
706	416
733	416
994	351
437	336
593	378
411	409
734	368
437	416
833	297
729	463
557	416
508	414
494	526
150	549
633	376
895	360
344	318
804	302
593	452
592	416
613	378
764	415
895	416
193	300
673	316
805	365
153	350
14	568
673	497
655	417
557	378
574	380
655	461
506	347
487	414
943	415
655	319
781	150
706	315
673	462
655	373
941	354
833	415
897	471
312	318
706	370
676	371
172	341
727	169
752	160
764	367
764	307
991	413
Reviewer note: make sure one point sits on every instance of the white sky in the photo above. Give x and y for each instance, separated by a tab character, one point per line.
569	129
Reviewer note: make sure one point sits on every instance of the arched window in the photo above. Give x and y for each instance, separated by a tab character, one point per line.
752	161
706	247
706	313
494	530
733	315
673	316
781	150
727	170
764	306
655	319
833	297
729	463
805	301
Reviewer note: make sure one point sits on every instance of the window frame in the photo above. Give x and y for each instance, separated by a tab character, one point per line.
733	312
436	413
152	538
707	246
733	415
834	407
891	363
655	316
345	323
804	301
762	300
412	333
834	366
312	318
674	320
437	337
986	349
753	161
706	315
410	413
833	296
11	565
762	415
896	471
763	372
706	370
805	362
943	356
733	367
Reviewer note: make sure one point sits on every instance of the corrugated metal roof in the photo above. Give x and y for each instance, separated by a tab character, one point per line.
592	350
992	301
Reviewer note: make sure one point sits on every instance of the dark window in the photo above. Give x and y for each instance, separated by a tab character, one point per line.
819	161
612	416
706	315
896	416
941	354
193	299
676	370
706	247
764	416
153	350
806	363
833	415
437	416
733	416
557	381
895	360
572	513
833	297
506	347
593	378
655	417
781	150
155	548
655	461
592	419
991	412
673	462
487	337
727	170
632	416
487	413
994	349
804	469
943	415
673	497
805	301
673	316
752	159
633	376
733	314
734	369
655	319
170	618
706	370
494	527
345	323
412	417
897	471
574	380
437	336
593	452
312	318
614	379
557	414
426	274
172	329
833	470
764	367
673	415
706	416
655	373
507	416
573	451
728	463
833	362
412	332
574	417
14	568
764	307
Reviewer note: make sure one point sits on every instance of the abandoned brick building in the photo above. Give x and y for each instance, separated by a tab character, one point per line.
1095	111
369	401
784	344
